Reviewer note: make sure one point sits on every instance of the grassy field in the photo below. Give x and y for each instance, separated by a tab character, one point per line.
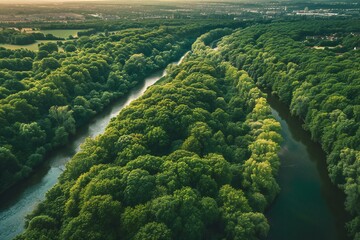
32	47
62	33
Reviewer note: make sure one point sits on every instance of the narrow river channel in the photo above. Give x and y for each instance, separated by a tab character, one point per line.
23	198
309	206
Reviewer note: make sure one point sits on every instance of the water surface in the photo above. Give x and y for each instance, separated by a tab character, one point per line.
21	200
309	206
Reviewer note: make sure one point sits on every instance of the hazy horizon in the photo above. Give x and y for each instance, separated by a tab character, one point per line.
137	1
42	1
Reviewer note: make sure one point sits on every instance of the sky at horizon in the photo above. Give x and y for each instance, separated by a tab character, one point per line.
9	2
41	1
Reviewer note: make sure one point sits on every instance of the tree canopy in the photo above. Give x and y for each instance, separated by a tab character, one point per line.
46	95
188	160
321	86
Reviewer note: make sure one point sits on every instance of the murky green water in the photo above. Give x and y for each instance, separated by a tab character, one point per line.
309	206
21	200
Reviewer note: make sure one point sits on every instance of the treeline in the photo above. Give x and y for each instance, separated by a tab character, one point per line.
98	26
11	36
114	25
46	96
194	158
88	32
319	86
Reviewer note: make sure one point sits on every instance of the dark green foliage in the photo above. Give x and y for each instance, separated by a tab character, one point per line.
321	86
45	96
154	231
16	37
48	47
87	32
179	163
70	48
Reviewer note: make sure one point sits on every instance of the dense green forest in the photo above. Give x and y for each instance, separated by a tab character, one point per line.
320	86
16	37
46	95
195	157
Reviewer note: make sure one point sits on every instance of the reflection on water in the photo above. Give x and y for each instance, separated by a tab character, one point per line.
309	206
16	203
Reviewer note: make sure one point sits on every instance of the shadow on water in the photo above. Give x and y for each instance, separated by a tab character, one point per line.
22	198
309	205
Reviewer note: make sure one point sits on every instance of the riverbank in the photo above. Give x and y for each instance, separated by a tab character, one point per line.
16	204
308	206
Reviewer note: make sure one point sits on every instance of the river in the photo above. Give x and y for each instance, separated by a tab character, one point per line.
309	206
21	200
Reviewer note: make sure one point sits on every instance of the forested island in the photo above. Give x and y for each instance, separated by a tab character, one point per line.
194	158
46	95
197	156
